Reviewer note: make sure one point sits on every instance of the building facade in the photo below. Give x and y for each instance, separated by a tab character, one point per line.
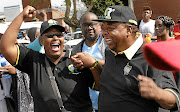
159	7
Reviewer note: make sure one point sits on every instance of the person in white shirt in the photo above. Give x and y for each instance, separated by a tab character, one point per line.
147	25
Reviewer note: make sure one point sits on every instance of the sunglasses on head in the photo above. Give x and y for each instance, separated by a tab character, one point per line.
51	35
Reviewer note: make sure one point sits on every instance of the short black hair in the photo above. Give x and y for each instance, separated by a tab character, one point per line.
32	33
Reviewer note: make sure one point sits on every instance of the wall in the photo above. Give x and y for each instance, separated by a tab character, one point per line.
39	4
159	7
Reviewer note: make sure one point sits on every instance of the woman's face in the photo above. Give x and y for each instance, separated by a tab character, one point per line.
160	28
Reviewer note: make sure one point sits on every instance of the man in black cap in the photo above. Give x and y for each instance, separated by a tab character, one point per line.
127	83
72	85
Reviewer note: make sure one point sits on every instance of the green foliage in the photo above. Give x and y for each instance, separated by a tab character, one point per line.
68	2
100	5
32	2
95	6
87	2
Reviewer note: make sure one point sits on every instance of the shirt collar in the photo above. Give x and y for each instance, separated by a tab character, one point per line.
130	52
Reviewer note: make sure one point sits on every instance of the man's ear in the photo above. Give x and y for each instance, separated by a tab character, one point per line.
129	30
41	40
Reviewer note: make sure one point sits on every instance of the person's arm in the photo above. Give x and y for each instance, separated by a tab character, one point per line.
96	74
7	45
84	60
43	14
149	90
101	62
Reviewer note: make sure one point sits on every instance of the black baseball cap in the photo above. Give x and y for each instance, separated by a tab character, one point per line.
51	23
119	13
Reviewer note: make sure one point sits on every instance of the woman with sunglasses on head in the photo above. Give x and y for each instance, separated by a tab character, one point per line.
163	27
54	83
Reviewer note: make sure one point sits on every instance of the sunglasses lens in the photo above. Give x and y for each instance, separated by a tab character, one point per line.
59	34
50	35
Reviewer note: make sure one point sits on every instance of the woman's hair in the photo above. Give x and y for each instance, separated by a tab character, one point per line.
168	21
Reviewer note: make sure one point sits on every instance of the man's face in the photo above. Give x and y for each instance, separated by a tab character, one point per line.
115	34
90	29
160	28
53	42
146	14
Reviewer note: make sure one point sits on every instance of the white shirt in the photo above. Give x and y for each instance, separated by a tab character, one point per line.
147	27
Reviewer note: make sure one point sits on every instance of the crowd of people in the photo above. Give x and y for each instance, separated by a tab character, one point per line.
105	72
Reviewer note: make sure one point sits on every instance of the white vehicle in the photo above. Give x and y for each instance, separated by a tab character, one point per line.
77	35
67	37
76	38
70	44
24	27
27	25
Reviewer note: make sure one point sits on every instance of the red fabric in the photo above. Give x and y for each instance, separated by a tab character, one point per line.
170	39
163	55
174	74
166	40
176	28
176	31
177	37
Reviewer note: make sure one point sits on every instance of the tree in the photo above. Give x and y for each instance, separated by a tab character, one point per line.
98	6
95	6
73	22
